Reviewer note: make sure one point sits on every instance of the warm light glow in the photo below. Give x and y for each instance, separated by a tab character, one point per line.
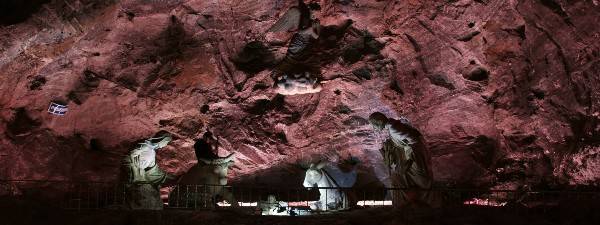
301	204
252	204
242	204
308	203
484	202
373	203
247	204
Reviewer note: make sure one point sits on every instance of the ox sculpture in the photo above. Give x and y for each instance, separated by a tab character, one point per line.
203	186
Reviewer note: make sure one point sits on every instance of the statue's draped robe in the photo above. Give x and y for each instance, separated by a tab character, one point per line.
299	55
307	50
143	181
333	177
407	159
343	179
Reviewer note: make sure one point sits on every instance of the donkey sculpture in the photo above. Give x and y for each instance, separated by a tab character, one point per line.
329	180
203	184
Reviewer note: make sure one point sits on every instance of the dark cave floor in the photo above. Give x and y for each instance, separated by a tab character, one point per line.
470	215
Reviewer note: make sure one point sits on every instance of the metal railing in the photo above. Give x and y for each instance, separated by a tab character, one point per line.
279	201
67	194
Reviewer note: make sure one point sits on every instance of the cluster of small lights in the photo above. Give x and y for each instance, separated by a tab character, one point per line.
484	202
474	201
373	203
307	203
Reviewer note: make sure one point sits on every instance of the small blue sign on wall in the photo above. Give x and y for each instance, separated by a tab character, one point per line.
57	109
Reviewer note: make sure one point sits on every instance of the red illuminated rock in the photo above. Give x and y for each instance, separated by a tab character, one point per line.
505	93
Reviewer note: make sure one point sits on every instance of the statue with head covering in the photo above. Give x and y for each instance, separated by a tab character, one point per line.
144	177
406	156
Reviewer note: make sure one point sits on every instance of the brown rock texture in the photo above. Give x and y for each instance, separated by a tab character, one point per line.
506	93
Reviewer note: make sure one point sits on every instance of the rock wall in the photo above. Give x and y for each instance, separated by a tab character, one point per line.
506	93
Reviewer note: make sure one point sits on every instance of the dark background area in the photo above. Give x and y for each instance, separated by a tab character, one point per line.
16	11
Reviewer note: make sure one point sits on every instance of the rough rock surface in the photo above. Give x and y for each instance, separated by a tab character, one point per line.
506	93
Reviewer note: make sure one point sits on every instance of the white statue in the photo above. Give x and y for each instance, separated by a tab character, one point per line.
144	177
329	180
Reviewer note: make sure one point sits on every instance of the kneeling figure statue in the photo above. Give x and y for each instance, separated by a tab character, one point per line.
330	181
144	177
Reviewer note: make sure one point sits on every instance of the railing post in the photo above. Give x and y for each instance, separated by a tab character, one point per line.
250	196
178	196
383	197
195	196
326	199
88	198
204	195
97	198
544	198
116	191
79	198
364	198
187	195
105	190
307	196
124	198
212	197
241	201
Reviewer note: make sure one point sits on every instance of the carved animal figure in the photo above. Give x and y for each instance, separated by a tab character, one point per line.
329	179
203	184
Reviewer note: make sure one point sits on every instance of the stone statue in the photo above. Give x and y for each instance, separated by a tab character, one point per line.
405	154
299	71
295	18
296	73
324	177
144	177
203	184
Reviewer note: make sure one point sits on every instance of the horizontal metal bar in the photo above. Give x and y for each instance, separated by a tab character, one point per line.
13	182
